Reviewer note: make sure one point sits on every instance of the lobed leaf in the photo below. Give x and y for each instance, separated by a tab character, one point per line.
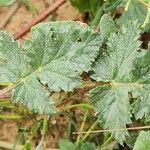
117	67
52	60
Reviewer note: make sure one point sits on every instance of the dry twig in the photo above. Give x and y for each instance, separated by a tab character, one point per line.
25	29
113	130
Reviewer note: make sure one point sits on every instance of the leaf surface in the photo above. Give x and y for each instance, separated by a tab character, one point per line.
136	11
141	73
87	5
107	26
67	145
52	60
116	67
143	141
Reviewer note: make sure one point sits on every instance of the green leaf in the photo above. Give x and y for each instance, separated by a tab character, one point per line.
111	102
141	73
106	7
61	51
111	5
143	141
130	141
13	60
34	95
107	26
115	68
52	60
87	5
66	145
116	62
6	2
136	11
86	146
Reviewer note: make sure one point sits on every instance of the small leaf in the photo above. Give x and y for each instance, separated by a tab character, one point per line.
143	141
107	26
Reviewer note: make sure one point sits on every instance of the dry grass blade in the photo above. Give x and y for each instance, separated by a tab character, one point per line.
111	130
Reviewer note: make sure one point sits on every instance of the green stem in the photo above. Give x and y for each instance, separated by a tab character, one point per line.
45	126
89	131
33	133
10	117
96	19
127	5
147	19
82	126
106	142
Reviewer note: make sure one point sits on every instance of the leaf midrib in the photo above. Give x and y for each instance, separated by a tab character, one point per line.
131	84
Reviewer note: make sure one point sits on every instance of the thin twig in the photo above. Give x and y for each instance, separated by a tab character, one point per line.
25	29
112	130
11	10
